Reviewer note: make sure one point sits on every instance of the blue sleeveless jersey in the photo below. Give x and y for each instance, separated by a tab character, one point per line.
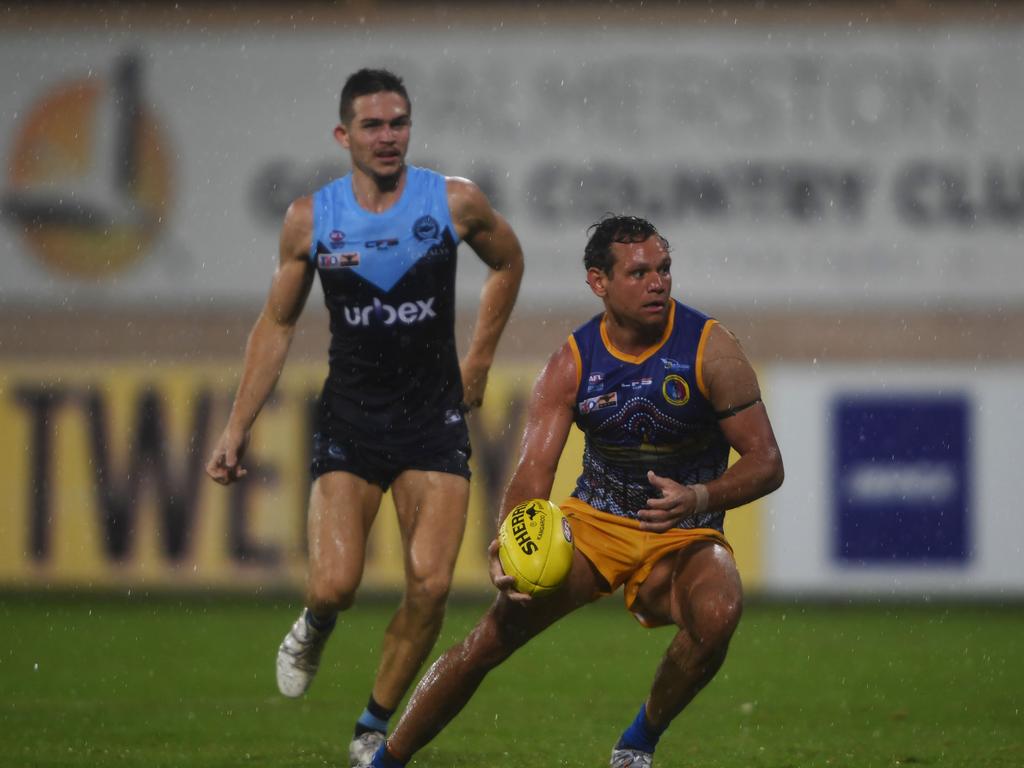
389	286
646	412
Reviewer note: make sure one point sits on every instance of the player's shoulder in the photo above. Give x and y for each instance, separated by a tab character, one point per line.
300	212
297	229
590	325
560	375
585	334
721	342
466	201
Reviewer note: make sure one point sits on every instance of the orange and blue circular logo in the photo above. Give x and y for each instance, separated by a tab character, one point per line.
90	176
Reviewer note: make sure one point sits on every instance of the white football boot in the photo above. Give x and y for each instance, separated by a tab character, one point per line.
364	747
631	758
299	657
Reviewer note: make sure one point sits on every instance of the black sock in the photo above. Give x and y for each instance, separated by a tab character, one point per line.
374	718
320	623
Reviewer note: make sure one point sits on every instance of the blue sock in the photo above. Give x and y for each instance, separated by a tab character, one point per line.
384	759
374	718
640	734
319	623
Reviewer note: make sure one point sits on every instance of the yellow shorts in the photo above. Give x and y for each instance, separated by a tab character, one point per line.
621	552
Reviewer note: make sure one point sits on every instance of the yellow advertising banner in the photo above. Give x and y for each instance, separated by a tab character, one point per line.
102	473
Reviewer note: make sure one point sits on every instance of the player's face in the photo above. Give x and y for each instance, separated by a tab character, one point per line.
639	288
377	137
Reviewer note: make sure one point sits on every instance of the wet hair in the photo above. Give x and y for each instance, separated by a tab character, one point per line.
614	228
363	83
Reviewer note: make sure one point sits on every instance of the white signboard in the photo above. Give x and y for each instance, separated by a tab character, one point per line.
812	166
898	481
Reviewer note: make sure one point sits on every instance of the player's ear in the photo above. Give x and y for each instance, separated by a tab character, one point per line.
341	135
596	279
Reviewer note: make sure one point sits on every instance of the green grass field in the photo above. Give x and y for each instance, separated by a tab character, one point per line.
129	682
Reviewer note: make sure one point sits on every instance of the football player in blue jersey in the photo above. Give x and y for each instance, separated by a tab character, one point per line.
661	392
383	240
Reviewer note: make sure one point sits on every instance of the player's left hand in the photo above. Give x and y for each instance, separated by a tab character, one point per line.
474	381
676	503
504	583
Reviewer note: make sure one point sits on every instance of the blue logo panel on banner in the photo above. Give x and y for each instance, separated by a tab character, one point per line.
901	479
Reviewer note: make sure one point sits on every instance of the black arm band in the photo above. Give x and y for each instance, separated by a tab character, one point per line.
733	411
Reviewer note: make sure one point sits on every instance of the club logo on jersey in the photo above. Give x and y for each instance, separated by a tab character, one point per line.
382	245
675	390
406	313
452	416
607	400
336	238
673	365
338	260
426	228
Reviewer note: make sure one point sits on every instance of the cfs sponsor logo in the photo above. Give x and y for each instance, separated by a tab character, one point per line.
426	228
90	180
406	313
383	244
646	381
675	390
607	400
338	260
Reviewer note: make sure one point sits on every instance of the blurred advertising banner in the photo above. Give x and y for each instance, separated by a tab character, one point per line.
822	165
104	487
897	480
900	479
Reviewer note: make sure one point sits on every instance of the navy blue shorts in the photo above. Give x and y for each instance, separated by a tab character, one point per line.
337	449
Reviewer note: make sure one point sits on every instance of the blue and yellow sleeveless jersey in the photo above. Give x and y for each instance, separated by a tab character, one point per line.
646	412
389	285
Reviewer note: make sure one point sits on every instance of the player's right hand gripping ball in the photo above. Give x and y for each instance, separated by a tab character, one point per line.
535	546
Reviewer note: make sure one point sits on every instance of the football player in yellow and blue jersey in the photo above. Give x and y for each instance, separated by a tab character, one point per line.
662	392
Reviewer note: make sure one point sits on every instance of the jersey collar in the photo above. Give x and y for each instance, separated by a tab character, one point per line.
636	359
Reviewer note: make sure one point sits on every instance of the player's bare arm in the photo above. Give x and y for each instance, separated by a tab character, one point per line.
736	396
547	428
269	340
492	239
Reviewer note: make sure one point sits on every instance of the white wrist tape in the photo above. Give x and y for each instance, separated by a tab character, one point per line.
702	498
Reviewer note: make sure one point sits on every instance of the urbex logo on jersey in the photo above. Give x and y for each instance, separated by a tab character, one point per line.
406	313
89	182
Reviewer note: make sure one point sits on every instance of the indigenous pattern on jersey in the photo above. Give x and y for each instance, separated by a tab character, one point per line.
389	284
646	412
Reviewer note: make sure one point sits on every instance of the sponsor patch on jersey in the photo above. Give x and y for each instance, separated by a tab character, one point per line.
646	381
452	416
406	313
426	228
607	400
338	260
383	244
675	390
674	365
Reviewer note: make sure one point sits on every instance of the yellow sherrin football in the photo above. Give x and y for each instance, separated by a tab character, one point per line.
535	546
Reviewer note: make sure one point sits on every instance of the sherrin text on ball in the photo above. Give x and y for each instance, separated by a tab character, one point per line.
535	546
